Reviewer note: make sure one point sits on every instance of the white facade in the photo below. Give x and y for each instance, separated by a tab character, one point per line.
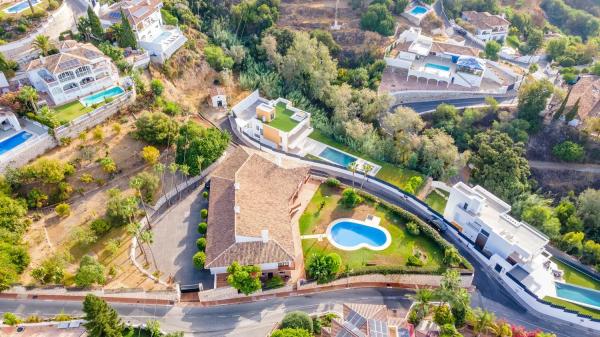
487	26
76	71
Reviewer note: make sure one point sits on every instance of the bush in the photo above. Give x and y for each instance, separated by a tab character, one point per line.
205	195
199	259
413	228
217	58
414	261
291	333
317	326
297	320
378	19
201	244
324	268
332	182
274	282
63	210
90	272
11	319
100	226
350	198
204	213
157	87
202	228
443	315
33	319
568	151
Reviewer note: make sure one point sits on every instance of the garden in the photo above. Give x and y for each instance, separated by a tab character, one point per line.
68	112
14	26
415	247
437	200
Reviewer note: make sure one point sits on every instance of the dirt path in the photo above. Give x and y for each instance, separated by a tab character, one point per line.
545	165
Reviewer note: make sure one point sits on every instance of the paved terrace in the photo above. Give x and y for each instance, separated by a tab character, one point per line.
394	79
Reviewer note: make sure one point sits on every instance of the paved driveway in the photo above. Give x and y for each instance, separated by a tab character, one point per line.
175	236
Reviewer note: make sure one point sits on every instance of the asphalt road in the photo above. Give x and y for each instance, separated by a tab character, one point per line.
423	107
248	320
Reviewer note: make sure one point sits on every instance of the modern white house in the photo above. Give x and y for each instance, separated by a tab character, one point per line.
275	123
448	64
77	70
487	26
509	245
160	40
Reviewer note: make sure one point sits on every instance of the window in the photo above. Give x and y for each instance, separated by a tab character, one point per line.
498	268
66	76
70	86
484	232
283	264
86	80
82	71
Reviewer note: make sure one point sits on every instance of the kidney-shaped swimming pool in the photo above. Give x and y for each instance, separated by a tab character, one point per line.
350	234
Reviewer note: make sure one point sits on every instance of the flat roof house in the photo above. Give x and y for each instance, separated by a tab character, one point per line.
79	69
275	123
160	40
369	320
487	26
509	245
252	205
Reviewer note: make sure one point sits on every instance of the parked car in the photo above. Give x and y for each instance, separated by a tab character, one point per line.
438	223
460	31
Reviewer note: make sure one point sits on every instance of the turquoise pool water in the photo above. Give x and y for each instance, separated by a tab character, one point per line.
418	10
99	97
578	294
14	141
437	66
21	6
351	235
337	157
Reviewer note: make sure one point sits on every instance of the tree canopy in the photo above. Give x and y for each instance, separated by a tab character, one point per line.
101	319
244	278
198	147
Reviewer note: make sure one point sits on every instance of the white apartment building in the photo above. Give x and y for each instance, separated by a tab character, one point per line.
160	40
512	247
79	69
487	26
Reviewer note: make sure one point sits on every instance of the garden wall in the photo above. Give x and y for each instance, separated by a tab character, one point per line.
89	120
30	150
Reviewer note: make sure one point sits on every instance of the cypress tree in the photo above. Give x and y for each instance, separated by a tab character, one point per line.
95	25
126	34
563	106
101	319
573	112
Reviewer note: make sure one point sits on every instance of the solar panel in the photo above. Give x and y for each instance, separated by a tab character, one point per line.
355	319
403	332
69	64
140	11
378	328
114	15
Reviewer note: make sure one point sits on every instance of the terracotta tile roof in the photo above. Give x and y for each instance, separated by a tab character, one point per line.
72	55
484	20
368	311
249	194
440	47
587	91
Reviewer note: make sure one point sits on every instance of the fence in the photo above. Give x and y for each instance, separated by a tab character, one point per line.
82	123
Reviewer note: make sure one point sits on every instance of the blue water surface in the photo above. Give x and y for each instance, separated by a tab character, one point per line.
14	141
337	157
578	294
418	10
437	66
350	234
99	97
16	8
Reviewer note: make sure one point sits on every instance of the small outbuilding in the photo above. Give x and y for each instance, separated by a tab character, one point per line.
218	97
4	86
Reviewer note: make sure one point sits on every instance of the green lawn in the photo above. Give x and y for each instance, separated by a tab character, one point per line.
573	276
437	201
315	221
391	173
571	306
70	111
283	118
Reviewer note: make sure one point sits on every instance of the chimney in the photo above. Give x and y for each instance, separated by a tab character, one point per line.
264	235
236	186
236	209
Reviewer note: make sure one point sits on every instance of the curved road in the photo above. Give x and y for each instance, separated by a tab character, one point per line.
424	107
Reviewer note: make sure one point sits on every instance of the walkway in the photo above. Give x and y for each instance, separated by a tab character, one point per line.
546	165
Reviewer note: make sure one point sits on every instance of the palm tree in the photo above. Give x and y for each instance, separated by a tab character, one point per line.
147	237
42	42
352	168
173	167
136	183
133	228
159	169
29	94
422	298
366	168
483	321
452	257
185	171
31	6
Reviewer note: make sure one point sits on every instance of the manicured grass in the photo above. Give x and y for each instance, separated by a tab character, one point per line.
572	306
316	219
283	119
573	276
391	173
70	111
436	201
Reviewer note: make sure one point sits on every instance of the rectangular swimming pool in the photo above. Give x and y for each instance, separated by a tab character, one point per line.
21	6
337	157
418	10
437	66
581	295
99	97
14	141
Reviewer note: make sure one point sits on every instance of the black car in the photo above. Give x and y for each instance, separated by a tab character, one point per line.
460	31
438	224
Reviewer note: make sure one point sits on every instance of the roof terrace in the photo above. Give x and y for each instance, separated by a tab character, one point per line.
285	119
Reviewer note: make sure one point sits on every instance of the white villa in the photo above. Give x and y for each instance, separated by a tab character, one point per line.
275	123
160	40
487	26
79	69
512	247
448	64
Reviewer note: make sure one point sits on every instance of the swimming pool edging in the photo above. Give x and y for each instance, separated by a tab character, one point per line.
388	236
31	137
587	305
24	8
103	98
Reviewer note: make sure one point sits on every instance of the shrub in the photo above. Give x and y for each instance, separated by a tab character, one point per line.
11	319
291	333
157	87
568	151
332	182
204	213
33	319
108	165
199	259
90	272
412	228
217	59
274	282
100	226
205	195
350	198
443	315
201	244
414	261
297	320
316	326
150	154
86	178
171	108
63	210
324	268
202	228
62	317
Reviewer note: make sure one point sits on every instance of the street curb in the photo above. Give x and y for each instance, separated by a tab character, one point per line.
80	298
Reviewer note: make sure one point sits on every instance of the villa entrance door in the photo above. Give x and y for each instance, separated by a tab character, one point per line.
481	241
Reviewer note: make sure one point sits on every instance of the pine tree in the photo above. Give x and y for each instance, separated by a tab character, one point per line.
101	319
95	25
126	34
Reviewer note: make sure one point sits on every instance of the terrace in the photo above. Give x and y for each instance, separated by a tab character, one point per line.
284	118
